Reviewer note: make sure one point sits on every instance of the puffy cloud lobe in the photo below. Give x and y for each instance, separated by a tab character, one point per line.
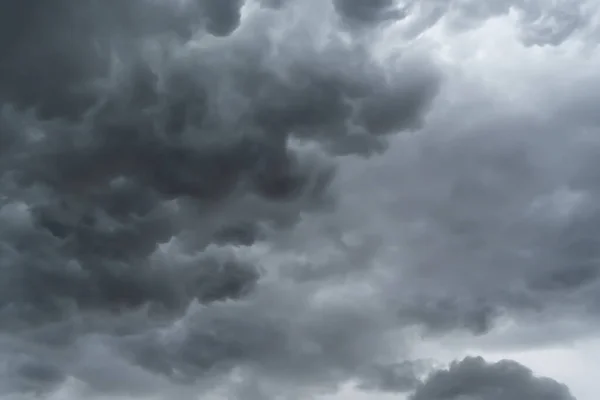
222	16
474	378
360	11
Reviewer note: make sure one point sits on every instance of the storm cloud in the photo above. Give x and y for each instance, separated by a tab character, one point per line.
270	199
142	148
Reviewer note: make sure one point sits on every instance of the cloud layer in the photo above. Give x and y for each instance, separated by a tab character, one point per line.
264	198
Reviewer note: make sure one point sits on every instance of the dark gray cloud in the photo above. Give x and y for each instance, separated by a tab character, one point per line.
474	378
182	205
52	51
369	12
147	145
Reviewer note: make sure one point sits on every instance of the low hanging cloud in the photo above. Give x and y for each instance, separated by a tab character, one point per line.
474	378
469	378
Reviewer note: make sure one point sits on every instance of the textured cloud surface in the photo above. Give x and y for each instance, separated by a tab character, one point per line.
269	199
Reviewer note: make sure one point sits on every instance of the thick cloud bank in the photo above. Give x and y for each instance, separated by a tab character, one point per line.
267	199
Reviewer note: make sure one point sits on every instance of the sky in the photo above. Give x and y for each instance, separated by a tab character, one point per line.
299	199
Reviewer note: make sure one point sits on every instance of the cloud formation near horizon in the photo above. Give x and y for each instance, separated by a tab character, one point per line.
250	199
473	378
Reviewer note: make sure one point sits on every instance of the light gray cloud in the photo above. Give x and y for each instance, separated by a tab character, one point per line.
501	228
540	22
394	378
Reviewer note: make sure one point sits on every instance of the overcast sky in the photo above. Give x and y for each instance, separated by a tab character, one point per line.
299	199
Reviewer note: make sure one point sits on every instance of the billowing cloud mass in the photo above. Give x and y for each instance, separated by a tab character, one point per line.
473	378
270	199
